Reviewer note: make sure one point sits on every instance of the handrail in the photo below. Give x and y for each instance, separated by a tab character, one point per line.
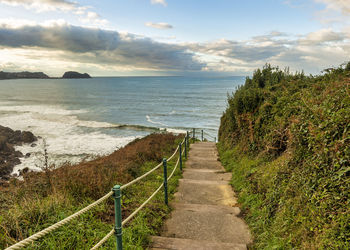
49	229
199	134
100	243
57	225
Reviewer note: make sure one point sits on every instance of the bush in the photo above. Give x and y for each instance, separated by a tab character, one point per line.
296	131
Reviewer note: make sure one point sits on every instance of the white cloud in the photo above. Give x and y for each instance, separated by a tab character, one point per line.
159	25
311	52
100	47
340	5
83	12
162	2
323	36
57	41
43	5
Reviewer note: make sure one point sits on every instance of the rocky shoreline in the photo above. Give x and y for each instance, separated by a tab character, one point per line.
9	157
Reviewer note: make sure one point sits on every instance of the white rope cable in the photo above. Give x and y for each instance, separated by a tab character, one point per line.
183	141
149	172
140	207
100	243
141	177
169	159
177	163
40	234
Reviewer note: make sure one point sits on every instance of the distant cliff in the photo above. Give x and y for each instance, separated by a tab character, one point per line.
25	74
73	74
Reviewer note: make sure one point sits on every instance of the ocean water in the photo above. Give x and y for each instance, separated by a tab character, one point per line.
80	119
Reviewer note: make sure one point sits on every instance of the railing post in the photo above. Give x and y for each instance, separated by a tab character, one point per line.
202	134
188	140
118	216
186	146
215	139
165	171
180	157
194	133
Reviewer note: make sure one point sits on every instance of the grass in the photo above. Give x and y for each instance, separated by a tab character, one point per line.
285	137
37	202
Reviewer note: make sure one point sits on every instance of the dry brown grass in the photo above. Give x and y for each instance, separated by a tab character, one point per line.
94	178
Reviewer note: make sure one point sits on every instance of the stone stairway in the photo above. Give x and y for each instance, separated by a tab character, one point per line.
205	214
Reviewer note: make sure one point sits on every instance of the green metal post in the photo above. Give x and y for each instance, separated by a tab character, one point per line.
215	139
188	140
165	171
186	147
118	216
202	135
194	133
180	157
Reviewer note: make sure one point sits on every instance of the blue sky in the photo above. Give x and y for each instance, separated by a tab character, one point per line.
172	37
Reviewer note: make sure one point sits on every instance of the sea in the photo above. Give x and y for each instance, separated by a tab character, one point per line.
81	119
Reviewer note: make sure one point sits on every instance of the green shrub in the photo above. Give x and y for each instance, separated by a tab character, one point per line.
286	138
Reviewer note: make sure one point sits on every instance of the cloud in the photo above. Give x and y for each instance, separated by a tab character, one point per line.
162	2
339	5
103	47
162	26
43	5
248	51
313	51
105	50
323	36
85	15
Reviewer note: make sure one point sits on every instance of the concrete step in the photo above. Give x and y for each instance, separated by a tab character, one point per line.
205	192
203	163
207	222
206	174
187	244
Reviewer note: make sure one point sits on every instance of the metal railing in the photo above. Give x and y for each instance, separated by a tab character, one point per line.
202	135
117	195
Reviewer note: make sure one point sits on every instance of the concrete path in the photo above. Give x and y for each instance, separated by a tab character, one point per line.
205	214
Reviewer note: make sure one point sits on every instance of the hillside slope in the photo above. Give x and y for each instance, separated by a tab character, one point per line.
44	198
286	137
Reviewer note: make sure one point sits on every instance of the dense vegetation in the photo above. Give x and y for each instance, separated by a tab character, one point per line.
42	199
286	138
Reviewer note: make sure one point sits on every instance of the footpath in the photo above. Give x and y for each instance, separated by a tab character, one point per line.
205	214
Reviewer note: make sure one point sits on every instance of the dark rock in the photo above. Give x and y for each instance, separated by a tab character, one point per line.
28	137
27	155
74	74
9	157
33	145
18	154
24	170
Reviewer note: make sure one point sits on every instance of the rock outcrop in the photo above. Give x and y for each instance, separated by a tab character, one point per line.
74	74
21	75
9	157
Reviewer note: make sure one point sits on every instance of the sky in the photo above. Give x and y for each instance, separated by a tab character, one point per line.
173	37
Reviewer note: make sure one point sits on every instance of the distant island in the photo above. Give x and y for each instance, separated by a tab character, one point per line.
40	75
74	74
25	74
